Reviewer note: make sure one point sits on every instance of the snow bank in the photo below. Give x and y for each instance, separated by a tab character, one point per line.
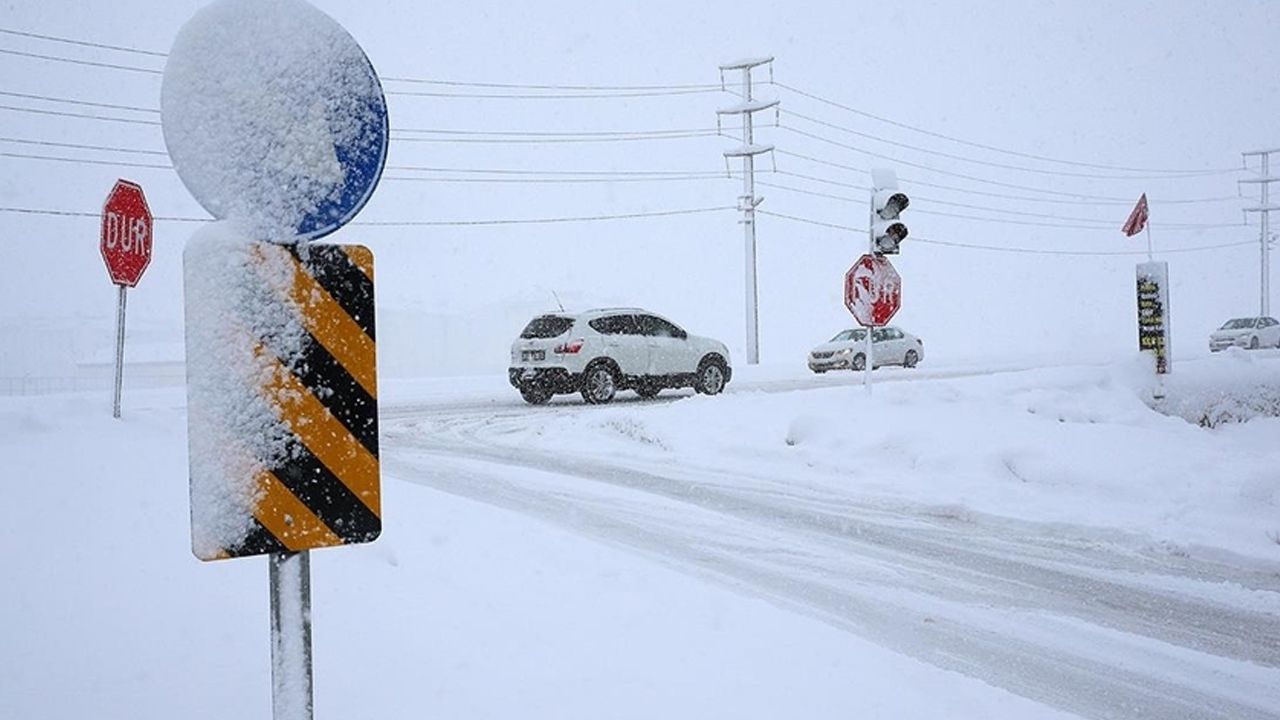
1241	386
1074	446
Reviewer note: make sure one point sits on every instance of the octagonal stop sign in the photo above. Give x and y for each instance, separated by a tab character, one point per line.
872	291
126	233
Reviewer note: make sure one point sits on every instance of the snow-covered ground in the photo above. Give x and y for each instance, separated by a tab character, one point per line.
1031	543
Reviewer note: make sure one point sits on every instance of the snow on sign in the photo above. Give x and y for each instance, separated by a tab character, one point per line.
274	118
281	395
126	233
872	291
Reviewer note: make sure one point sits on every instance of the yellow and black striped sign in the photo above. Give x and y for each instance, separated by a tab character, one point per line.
321	386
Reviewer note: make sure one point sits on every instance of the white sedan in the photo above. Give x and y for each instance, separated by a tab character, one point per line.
847	350
1248	332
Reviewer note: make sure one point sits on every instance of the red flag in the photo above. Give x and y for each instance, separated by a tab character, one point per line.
1137	219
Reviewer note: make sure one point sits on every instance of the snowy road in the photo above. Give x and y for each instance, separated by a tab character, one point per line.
1098	623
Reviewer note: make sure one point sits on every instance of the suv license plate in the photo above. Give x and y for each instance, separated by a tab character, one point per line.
533	355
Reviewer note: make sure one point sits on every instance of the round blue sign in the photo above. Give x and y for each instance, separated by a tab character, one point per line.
274	118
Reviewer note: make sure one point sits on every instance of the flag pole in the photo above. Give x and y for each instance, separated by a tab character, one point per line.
1150	253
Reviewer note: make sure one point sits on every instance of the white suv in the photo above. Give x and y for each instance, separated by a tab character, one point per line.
599	352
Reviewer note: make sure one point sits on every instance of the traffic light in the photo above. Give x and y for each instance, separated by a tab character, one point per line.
887	204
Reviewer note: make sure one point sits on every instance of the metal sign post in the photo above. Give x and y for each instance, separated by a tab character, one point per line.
115	404
291	678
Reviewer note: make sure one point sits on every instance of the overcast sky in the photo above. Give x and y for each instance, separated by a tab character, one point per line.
1146	85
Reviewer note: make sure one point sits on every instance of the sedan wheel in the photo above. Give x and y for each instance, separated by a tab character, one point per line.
859	362
911	359
1253	343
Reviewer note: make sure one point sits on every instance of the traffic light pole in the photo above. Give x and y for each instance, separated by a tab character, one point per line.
871	250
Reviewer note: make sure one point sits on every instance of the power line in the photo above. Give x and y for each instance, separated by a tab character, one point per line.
534	221
553	181
619	177
1068	222
544	140
82	43
962	176
1100	223
1091	200
572	177
513	171
60	113
565	133
77	146
89	63
601	95
1025	251
392	78
85	161
584	93
951	138
517	86
50	98
496	140
1165	174
422	223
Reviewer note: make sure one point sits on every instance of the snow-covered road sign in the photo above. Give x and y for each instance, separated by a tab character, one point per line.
126	233
282	406
274	118
872	291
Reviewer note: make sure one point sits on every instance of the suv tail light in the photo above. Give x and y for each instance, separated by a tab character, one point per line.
570	348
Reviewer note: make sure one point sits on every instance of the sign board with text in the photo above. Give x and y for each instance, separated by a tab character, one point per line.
126	235
1153	312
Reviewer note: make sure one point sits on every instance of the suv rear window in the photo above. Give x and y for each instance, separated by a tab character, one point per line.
547	326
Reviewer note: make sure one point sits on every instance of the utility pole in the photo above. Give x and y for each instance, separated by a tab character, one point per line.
1265	208
748	201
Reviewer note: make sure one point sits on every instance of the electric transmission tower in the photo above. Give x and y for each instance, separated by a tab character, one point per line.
748	201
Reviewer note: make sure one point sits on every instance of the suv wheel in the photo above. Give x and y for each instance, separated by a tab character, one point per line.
535	395
710	379
859	363
598	385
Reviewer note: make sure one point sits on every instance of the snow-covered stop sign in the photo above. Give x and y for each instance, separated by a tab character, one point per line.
126	233
872	291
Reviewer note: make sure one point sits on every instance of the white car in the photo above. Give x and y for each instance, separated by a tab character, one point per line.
848	350
599	352
1249	332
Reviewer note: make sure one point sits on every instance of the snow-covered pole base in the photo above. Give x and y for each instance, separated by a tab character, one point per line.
291	687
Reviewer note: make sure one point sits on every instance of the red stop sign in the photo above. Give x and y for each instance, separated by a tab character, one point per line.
126	233
872	291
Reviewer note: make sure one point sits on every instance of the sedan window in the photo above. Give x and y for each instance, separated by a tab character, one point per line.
1240	324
